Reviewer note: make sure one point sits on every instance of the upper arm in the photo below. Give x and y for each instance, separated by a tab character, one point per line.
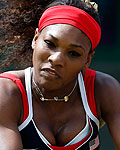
10	106
108	99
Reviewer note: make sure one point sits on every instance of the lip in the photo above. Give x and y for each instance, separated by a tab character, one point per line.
50	72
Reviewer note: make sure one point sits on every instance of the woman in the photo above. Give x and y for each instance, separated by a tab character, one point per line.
58	104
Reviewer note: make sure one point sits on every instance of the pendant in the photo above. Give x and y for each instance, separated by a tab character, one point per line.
42	98
66	98
56	98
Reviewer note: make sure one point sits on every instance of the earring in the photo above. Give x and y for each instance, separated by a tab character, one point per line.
36	37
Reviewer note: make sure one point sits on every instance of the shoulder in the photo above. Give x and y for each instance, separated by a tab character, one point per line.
7	79
107	93
10	97
105	84
11	111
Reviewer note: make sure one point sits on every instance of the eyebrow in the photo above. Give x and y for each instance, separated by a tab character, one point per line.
72	45
53	37
77	46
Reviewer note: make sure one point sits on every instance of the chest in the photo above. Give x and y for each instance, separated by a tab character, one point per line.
60	125
32	139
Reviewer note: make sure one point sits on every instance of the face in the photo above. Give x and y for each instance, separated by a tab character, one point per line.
60	52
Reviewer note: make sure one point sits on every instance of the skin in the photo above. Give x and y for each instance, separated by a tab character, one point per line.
63	49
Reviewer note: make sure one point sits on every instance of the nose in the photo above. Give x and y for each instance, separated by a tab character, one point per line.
56	59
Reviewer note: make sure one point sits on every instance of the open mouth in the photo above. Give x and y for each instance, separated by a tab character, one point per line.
50	73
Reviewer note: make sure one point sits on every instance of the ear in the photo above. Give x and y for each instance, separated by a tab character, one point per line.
88	62
35	38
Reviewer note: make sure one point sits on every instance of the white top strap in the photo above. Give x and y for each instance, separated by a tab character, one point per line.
28	73
85	101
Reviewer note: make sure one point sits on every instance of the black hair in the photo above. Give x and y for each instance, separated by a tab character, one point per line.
86	6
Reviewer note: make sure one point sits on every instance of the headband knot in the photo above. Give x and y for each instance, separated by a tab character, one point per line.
64	14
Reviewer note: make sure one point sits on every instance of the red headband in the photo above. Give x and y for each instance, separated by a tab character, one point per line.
64	14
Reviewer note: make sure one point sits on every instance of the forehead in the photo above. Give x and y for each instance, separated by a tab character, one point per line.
67	33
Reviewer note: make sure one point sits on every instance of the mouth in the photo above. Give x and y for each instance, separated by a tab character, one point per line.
50	73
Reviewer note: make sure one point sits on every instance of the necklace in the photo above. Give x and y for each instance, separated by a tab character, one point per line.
41	97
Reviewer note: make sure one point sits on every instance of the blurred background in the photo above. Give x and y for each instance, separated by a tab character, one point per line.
107	56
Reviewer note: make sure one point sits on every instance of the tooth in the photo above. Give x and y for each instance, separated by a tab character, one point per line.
52	72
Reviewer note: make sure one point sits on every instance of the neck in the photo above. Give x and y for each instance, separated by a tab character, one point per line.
63	94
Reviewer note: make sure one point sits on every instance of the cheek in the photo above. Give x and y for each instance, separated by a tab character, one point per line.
75	67
40	54
72	70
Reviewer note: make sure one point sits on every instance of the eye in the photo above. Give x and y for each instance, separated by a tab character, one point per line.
49	43
74	54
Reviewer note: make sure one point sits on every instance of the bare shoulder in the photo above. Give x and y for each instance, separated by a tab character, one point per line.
11	109
10	97
107	94
106	83
19	73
